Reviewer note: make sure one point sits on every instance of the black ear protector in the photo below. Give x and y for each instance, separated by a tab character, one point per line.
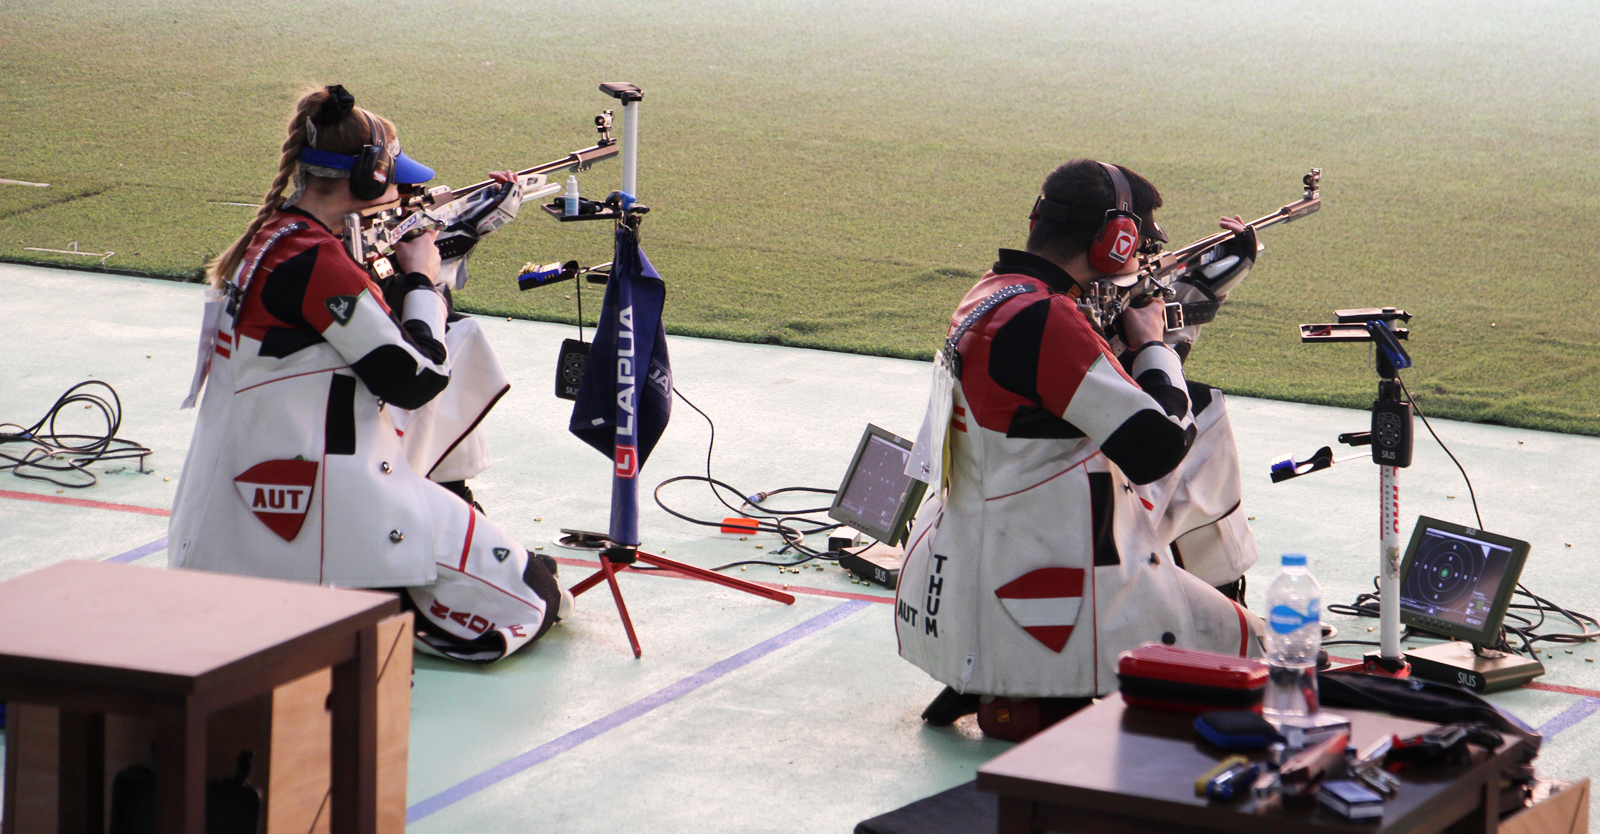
369	176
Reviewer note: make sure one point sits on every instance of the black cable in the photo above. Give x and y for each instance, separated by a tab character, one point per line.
791	525
54	453
1516	624
1470	492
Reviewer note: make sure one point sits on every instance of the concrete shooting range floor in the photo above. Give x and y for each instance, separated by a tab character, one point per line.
744	715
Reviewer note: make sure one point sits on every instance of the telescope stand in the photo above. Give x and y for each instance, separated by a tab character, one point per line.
621	545
615	559
1391	440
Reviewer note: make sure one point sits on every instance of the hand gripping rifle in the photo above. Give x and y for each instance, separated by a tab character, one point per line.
470	213
1199	264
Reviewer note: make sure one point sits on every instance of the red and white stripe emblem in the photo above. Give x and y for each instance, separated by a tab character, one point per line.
959	420
1045	603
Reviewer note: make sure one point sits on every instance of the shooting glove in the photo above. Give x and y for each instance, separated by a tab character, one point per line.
480	214
1212	275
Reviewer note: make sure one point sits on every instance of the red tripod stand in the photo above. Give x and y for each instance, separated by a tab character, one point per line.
616	558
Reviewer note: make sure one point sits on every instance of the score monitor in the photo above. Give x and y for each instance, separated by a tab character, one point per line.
876	496
1457	581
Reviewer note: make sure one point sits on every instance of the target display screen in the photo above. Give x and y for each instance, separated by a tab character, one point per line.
877	497
1457	581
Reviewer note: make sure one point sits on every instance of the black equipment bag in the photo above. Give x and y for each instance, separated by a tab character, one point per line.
1424	701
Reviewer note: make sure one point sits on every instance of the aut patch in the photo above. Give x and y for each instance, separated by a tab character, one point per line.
279	493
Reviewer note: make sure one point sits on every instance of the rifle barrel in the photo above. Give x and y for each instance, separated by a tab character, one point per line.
576	160
1296	209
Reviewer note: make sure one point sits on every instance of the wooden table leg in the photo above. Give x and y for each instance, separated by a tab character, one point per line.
180	768
80	783
1016	816
355	739
1484	819
8	801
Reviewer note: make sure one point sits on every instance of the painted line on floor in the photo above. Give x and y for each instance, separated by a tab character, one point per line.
1566	690
140	552
594	729
1570	717
793	589
80	502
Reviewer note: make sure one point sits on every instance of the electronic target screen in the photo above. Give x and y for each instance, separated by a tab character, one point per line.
877	497
1457	581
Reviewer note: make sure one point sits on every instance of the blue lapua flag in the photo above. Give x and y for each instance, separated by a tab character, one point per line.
625	397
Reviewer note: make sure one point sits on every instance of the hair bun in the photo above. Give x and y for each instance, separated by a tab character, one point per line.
338	105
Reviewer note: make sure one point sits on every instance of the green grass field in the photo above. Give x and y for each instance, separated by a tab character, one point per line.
835	175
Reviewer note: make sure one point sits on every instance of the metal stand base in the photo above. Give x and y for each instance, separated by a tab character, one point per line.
609	568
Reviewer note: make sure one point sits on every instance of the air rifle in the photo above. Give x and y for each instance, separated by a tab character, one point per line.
370	234
1159	272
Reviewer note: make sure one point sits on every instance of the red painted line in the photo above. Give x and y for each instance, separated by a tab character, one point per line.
793	589
1569	690
80	502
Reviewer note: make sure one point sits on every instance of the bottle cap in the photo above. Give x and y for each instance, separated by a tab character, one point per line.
1294	560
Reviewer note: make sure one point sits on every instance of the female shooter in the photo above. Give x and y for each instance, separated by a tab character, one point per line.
296	469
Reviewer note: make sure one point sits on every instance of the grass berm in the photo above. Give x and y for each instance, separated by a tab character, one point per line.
836	174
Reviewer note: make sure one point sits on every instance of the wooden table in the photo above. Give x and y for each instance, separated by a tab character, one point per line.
177	646
1115	768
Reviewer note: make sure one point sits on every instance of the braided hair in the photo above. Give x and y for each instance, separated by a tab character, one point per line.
324	118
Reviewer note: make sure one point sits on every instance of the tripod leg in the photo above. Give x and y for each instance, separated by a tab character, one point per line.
622	607
593	579
712	576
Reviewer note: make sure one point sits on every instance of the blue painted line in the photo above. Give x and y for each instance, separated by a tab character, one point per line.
662	697
1570	717
140	552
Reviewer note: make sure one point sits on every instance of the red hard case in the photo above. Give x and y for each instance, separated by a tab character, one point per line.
1190	680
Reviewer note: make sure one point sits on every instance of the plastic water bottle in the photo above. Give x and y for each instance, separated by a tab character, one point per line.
569	201
1294	634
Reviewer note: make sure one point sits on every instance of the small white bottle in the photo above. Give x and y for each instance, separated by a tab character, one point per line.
569	201
1294	635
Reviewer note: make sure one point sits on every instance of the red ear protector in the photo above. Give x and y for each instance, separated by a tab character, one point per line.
1118	237
369	176
1116	240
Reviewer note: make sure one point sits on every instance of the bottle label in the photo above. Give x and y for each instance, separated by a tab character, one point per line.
1286	620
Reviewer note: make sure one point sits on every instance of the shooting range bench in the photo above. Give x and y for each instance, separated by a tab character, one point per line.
88	649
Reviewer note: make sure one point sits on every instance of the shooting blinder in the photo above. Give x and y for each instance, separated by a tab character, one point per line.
369	176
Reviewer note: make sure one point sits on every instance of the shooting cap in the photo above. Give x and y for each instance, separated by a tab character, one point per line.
407	171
